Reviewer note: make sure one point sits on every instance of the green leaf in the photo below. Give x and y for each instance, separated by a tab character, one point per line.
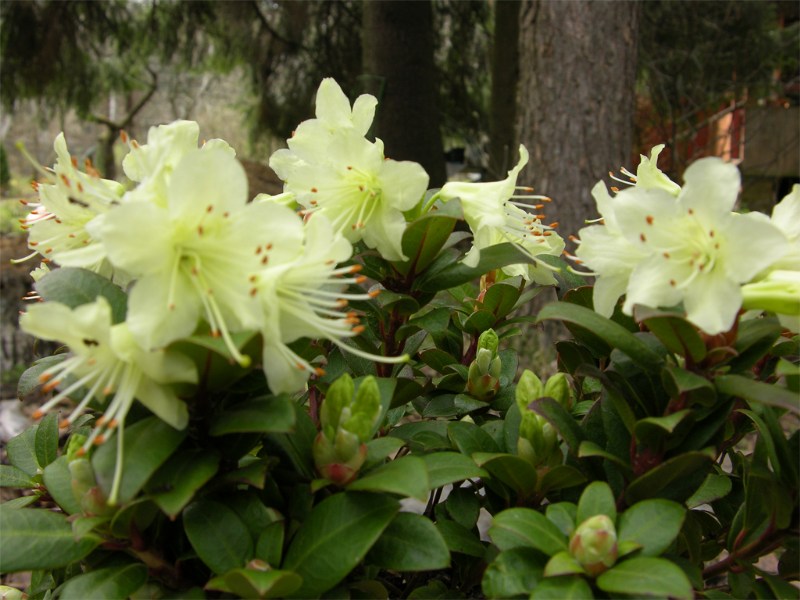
13	477
335	538
406	476
20	501
526	528
382	447
147	445
269	546
679	381
75	287
676	333
102	584
563	515
58	481
256	583
422	241
755	391
500	299
647	576
652	430
460	539
218	535
512	573
271	414
29	380
493	257
596	499
715	486
653	524
468	438
22	451
561	419
35	539
174	485
449	467
514	471
612	333
562	563
566	587
652	483
560	477
463	506
46	442
588	449
410	543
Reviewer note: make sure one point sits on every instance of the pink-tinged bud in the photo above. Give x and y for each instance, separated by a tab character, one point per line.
594	544
332	465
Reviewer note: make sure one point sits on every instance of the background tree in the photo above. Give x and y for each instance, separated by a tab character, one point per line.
576	98
399	70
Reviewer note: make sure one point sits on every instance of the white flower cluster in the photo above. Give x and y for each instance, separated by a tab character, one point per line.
662	245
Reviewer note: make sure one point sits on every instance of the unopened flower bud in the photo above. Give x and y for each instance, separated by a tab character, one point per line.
594	544
558	387
483	379
10	593
538	441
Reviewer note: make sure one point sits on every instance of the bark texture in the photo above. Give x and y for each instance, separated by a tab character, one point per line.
505	73
576	99
399	70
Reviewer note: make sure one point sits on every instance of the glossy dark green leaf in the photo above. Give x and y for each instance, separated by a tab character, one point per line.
74	287
560	477
273	414
410	543
651	430
652	483
647	576
756	391
478	322
680	381
596	499
469	438
653	524
460	539
493	257
526	528
512	573
406	476
423	239
104	584
36	538
218	535
174	485
563	515
612	333
147	445
514	471
269	545
500	299
449	467
256	583
58	480
382	447
567	587
754	339
676	333
589	449
463	506
716	486
437	359
335	537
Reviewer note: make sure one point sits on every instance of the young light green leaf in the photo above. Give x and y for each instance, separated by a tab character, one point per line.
256	583
567	587
449	467
173	486
406	476
597	499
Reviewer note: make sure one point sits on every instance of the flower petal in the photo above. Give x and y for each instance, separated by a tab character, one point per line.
713	302
711	188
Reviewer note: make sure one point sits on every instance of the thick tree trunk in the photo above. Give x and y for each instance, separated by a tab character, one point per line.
576	102
400	72
505	73
576	99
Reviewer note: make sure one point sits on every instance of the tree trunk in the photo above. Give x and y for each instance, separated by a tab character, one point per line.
400	72
503	103
576	99
576	102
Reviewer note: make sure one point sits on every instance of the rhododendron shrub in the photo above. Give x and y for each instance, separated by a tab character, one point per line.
315	393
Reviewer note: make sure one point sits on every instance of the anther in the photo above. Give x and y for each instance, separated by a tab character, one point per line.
49	387
123	135
358	329
63	423
319	372
38	415
99	439
554	224
374	293
356	268
361	279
